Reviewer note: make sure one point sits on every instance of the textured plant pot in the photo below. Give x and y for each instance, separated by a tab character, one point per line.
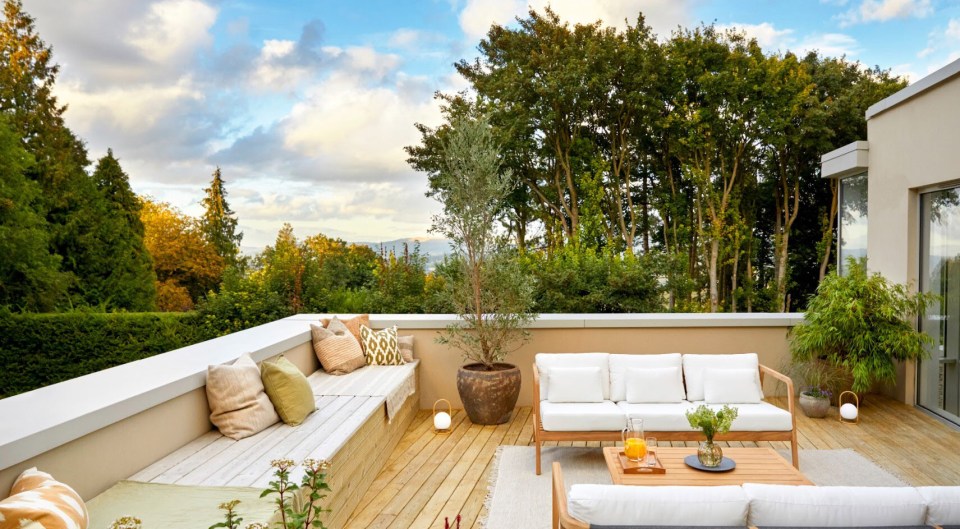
489	397
709	454
814	407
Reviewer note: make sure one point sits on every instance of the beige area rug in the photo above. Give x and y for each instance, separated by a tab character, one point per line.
161	506
517	497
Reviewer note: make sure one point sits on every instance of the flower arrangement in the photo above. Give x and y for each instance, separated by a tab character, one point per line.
712	422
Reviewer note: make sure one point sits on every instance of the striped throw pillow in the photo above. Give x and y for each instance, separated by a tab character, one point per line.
38	500
338	351
381	347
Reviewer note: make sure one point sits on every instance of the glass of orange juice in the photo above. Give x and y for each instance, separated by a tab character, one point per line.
634	445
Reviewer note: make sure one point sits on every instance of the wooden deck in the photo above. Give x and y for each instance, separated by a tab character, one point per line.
430	476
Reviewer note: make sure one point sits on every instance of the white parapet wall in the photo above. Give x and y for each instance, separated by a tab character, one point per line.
102	427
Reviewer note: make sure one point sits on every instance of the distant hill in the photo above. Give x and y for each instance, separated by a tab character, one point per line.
433	249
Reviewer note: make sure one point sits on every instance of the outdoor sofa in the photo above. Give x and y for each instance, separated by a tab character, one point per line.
588	397
754	505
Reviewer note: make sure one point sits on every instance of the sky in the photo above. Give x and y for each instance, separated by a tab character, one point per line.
306	105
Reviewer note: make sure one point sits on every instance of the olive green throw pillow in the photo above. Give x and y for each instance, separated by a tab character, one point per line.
288	390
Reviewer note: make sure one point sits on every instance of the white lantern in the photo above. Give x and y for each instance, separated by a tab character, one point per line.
441	420
849	411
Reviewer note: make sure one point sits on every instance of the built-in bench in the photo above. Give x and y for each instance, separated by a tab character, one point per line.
360	417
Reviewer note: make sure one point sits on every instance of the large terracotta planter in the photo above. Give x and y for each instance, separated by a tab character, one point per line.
815	407
489	396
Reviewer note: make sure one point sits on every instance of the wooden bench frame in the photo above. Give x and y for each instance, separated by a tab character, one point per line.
540	435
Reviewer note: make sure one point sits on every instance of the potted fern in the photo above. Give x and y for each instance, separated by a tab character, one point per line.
863	324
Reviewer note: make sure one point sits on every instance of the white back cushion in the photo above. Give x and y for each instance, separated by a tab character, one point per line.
943	505
620	363
658	506
807	506
575	384
732	386
693	366
546	361
655	384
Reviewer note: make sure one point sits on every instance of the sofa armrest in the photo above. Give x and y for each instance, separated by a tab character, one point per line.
561	517
764	370
536	395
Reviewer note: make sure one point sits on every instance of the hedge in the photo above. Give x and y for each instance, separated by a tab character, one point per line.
41	349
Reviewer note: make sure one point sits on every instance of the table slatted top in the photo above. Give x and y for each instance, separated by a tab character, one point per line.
754	465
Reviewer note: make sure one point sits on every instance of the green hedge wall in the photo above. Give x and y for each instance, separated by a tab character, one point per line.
41	349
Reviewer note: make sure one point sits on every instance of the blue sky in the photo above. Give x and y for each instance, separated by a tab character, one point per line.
306	105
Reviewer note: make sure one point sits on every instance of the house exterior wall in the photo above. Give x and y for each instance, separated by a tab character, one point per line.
914	147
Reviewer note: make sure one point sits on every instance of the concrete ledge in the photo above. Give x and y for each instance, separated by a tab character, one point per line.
927	83
848	160
40	420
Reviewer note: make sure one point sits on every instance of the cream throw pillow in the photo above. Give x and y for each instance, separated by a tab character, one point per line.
338	351
37	497
353	324
239	407
381	347
406	347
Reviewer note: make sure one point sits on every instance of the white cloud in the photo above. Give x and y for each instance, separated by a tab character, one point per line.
829	44
662	15
172	31
884	10
768	37
953	29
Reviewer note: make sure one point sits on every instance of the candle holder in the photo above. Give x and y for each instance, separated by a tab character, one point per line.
849	412
442	420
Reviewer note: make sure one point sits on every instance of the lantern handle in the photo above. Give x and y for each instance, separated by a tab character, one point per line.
449	406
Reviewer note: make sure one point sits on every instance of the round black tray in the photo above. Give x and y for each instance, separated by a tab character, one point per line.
726	464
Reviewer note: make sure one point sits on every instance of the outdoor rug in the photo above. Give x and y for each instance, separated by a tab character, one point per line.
519	498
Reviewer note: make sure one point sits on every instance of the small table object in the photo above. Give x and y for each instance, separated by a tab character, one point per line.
754	465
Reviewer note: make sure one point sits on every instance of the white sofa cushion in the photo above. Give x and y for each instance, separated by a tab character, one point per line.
659	417
547	361
658	506
762	417
655	384
575	384
943	505
619	364
694	365
581	416
732	386
808	506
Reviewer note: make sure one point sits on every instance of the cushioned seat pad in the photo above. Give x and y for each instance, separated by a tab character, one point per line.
581	416
659	417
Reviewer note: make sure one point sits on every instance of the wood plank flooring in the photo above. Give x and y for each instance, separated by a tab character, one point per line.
430	476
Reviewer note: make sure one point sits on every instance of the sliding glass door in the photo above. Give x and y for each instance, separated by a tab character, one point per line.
939	375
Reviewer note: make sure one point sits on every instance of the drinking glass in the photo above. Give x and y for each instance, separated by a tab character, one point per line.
634	446
651	443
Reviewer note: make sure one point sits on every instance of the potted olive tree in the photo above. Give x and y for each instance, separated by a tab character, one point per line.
863	324
484	283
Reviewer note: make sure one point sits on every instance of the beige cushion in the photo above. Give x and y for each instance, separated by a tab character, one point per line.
239	407
353	324
288	390
381	347
406	347
37	497
338	351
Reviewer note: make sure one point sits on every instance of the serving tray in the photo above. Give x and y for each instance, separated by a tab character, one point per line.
633	467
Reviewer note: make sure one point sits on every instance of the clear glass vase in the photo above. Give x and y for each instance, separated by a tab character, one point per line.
709	454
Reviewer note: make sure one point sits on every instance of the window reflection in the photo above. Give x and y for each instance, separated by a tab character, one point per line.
853	219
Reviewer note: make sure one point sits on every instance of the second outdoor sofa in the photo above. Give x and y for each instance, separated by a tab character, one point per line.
588	397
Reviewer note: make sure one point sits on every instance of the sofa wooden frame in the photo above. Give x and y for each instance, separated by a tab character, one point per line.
540	435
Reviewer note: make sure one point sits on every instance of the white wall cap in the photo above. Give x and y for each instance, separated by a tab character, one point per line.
589	320
927	83
851	159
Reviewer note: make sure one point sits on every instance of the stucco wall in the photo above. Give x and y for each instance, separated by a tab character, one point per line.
913	148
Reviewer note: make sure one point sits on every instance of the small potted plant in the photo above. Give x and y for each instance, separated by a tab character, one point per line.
711	422
818	379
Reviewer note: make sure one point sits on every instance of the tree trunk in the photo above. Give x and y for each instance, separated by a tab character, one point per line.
712	271
828	227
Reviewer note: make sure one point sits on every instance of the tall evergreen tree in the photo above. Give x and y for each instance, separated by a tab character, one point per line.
219	222
30	277
121	276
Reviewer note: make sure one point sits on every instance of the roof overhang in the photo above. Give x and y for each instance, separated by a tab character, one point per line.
848	160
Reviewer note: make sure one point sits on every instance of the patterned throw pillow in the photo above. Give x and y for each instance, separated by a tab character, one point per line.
338	351
406	347
380	347
37	497
353	324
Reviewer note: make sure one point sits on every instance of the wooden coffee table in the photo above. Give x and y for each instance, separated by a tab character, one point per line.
754	465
